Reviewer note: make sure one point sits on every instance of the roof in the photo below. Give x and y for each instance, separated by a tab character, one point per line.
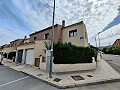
116	40
81	22
16	40
27	43
44	29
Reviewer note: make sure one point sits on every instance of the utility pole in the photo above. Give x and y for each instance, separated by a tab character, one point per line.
99	45
96	42
52	41
99	39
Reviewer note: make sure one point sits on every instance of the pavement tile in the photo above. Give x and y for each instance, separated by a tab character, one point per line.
103	73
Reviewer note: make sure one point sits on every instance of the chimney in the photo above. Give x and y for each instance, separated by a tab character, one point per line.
63	23
25	37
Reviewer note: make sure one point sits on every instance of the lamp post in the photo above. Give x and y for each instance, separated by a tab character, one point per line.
99	45
52	41
99	39
96	42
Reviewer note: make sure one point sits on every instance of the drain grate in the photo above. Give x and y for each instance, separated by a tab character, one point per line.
77	78
89	75
39	75
57	80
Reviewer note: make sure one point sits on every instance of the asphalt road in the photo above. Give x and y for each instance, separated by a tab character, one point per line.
13	80
113	60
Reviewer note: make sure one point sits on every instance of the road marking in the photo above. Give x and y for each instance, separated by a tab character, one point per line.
14	81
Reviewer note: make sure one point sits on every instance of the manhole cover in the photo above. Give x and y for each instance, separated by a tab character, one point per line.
77	77
56	79
89	75
39	74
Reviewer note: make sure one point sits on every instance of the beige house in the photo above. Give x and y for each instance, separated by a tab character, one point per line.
30	53
76	34
32	50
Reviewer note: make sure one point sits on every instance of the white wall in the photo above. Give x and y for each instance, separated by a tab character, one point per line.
74	67
68	67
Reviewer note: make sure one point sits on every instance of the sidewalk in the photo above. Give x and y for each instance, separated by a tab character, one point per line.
103	73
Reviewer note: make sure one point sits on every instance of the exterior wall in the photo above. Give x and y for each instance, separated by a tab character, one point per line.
74	67
117	43
26	41
75	40
40	35
38	47
24	48
7	50
17	42
68	67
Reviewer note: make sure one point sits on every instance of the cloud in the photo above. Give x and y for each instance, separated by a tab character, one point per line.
29	16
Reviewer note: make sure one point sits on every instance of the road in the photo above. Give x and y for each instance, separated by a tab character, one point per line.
13	80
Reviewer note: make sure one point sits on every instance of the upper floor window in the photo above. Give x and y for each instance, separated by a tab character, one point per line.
46	36
73	33
34	38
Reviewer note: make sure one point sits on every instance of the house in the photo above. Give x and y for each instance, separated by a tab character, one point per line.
75	33
117	42
31	50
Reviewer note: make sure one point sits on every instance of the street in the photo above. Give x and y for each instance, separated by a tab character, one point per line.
13	80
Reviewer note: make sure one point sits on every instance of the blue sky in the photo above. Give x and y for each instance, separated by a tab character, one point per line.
23	17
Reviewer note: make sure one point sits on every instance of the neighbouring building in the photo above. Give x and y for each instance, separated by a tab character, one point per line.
117	42
30	50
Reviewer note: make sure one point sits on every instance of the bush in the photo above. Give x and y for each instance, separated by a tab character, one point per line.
70	54
11	55
112	50
5	55
94	47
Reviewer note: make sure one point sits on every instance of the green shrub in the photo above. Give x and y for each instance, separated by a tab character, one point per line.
70	54
5	55
112	50
11	55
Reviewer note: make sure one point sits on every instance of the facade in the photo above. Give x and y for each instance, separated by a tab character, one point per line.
76	34
32	50
46	34
116	43
30	53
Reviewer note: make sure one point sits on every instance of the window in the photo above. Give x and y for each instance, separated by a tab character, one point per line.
46	36
34	38
73	33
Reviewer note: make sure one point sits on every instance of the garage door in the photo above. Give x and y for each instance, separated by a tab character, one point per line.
29	56
20	54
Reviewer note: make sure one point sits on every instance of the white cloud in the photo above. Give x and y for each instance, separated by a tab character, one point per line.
96	14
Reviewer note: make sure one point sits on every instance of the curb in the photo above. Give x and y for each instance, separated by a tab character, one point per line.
72	85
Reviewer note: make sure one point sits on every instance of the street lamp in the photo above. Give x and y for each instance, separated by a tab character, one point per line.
99	39
99	45
52	41
96	42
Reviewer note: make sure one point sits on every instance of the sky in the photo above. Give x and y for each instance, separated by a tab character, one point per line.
23	17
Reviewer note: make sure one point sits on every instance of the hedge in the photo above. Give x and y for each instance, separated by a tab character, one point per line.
5	55
11	55
112	50
70	54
